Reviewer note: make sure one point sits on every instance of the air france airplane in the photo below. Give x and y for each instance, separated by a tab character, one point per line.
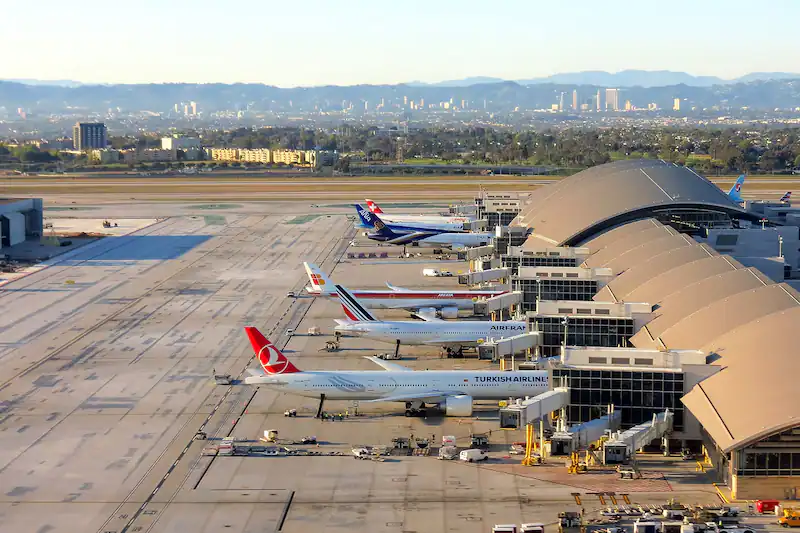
452	390
452	335
446	303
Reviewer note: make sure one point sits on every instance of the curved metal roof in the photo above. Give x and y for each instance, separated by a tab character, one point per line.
757	355
580	206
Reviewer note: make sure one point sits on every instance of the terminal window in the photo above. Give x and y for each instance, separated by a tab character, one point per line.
554	289
775	455
637	394
581	331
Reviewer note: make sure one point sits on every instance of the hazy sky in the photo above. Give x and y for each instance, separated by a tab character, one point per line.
344	42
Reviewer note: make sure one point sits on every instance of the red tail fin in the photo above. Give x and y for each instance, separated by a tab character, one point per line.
270	357
372	206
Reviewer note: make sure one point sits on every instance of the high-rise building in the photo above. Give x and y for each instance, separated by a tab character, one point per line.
561	102
575	99
463	104
193	105
628	105
405	100
676	104
612	99
598	101
89	135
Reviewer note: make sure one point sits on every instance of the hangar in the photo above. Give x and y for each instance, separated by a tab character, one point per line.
20	218
643	232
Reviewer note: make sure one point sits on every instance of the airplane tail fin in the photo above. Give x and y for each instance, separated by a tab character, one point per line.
366	217
354	310
319	281
735	193
786	197
270	357
374	207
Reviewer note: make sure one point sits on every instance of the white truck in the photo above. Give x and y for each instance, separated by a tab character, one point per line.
473	455
436	273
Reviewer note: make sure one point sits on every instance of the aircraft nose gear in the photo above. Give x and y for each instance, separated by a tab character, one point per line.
459	353
415	408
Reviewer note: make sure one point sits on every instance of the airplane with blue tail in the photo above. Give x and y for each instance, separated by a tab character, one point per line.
735	193
367	221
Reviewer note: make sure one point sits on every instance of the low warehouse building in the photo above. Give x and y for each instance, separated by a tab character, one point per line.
20	218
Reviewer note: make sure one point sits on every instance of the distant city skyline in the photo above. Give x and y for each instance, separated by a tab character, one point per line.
362	42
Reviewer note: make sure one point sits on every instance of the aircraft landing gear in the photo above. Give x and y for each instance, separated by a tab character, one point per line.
321	402
459	353
415	409
397	349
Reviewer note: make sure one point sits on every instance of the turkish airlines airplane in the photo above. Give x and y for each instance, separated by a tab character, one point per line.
452	335
444	303
452	390
408	217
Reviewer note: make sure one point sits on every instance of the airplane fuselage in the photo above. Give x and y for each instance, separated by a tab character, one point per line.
438	332
375	385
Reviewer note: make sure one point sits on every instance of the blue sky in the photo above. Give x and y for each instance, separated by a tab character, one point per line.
343	42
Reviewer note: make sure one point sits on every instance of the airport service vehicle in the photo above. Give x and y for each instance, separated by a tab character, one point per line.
436	273
790	518
452	390
473	456
367	220
445	303
427	238
393	218
452	335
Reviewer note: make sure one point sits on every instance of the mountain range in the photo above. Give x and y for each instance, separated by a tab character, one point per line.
624	78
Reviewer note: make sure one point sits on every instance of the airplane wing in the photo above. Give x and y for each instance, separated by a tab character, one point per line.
257	372
392	367
395	288
428	314
410	237
431	396
452	342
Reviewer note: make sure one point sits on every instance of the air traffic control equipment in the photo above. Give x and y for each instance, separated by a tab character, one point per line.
566	441
482	276
496	349
622	447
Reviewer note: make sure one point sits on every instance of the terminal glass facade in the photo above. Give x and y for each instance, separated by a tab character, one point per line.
553	289
639	394
776	455
581	331
514	262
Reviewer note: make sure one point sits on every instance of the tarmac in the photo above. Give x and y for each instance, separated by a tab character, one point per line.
106	364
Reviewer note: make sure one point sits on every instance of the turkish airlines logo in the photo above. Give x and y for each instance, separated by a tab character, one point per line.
273	361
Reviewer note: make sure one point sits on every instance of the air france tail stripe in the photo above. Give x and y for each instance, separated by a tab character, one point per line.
353	305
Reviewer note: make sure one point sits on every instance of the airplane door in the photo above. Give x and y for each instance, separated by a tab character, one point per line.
371	386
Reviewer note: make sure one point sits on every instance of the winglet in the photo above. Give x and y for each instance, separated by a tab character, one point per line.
270	357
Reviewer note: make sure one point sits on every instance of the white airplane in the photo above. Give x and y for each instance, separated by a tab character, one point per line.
452	390
452	335
444	303
454	241
392	218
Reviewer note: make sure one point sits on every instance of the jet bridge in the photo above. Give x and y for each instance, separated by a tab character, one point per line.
476	252
622	446
496	349
482	276
497	303
565	441
525	412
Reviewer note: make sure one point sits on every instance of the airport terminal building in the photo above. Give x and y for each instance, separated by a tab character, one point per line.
682	306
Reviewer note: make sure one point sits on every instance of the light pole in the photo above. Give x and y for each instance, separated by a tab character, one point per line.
780	246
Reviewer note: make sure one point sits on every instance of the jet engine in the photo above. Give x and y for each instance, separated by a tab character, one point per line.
460	405
449	312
